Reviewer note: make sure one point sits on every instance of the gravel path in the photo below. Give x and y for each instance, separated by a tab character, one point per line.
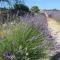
54	28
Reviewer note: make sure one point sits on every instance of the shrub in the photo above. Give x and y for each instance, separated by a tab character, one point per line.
35	9
24	42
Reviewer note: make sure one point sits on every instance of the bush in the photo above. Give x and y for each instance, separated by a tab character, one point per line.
24	42
35	9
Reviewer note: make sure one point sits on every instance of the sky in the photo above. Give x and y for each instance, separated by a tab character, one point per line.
42	4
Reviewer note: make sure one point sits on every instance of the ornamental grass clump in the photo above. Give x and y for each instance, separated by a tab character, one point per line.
24	42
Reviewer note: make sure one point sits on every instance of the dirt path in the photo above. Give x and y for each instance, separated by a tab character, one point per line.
54	27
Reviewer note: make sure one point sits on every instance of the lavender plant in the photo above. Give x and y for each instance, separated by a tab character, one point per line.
24	42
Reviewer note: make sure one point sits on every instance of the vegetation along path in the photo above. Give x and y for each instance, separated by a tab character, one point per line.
54	28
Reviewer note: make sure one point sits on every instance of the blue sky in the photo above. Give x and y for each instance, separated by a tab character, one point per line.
44	4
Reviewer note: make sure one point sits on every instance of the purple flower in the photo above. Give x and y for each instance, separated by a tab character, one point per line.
9	55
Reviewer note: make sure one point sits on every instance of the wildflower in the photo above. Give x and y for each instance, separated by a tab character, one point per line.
26	54
9	55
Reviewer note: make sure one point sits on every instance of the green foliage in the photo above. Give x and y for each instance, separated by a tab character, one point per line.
21	7
8	1
3	10
24	42
35	9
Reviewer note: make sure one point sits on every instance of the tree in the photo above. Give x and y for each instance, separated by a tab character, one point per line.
21	7
35	9
10	2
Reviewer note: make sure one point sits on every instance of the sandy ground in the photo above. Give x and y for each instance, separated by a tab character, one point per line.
54	28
